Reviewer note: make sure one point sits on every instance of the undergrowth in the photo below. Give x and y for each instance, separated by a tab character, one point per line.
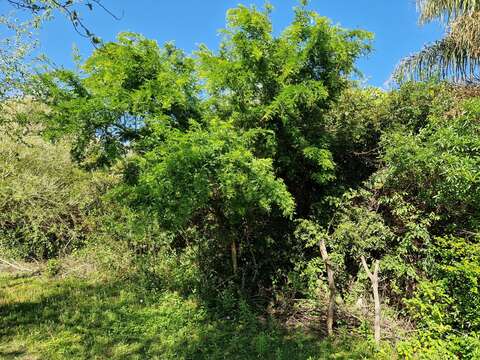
45	318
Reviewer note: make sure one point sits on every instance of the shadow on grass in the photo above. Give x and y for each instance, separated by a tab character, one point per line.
74	319
13	354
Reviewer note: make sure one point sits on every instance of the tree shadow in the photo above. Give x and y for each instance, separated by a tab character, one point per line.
11	354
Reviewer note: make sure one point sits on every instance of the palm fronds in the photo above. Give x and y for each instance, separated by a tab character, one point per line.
446	10
443	59
455	57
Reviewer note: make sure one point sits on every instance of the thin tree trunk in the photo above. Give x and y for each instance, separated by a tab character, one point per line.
376	296
331	287
233	250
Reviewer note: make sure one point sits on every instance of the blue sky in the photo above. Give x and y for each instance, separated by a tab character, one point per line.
191	22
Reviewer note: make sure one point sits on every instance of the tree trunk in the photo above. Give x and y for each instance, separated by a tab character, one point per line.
233	250
331	287
376	296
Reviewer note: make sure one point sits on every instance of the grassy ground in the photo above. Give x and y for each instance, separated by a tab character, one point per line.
44	318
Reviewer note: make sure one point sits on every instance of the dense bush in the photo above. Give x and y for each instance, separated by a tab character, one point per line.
45	200
229	144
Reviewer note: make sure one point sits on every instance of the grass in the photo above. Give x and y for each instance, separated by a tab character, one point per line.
45	318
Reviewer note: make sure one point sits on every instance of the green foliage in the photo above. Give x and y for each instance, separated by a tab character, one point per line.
205	170
356	229
450	300
209	181
243	158
452	347
53	267
284	84
45	201
410	106
355	125
230	144
439	167
124	88
426	186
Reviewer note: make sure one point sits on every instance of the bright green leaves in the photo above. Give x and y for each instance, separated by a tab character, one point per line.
440	166
207	170
294	100
247	182
124	87
142	78
322	158
284	84
451	300
361	231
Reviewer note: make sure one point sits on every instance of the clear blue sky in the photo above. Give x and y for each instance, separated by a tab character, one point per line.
191	22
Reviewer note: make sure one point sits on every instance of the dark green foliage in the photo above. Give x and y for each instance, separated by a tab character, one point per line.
439	168
355	125
418	214
410	106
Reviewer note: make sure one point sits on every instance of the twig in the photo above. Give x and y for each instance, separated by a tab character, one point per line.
18	267
73	270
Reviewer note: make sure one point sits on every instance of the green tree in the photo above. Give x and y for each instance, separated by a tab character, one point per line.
136	99
284	84
207	173
125	88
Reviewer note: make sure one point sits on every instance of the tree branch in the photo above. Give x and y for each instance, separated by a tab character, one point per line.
72	13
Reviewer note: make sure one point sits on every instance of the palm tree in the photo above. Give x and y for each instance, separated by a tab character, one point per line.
457	55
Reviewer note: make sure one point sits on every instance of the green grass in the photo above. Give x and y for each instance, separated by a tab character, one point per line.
43	318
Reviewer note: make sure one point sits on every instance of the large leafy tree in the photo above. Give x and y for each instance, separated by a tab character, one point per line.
237	141
123	89
284	84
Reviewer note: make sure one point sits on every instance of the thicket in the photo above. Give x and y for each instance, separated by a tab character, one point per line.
46	202
262	173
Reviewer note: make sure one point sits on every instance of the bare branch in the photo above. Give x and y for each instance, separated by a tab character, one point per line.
367	269
14	265
70	9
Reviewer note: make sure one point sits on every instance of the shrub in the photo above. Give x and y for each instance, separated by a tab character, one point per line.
45	200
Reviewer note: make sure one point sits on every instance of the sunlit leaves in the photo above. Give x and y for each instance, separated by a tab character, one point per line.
208	169
124	87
